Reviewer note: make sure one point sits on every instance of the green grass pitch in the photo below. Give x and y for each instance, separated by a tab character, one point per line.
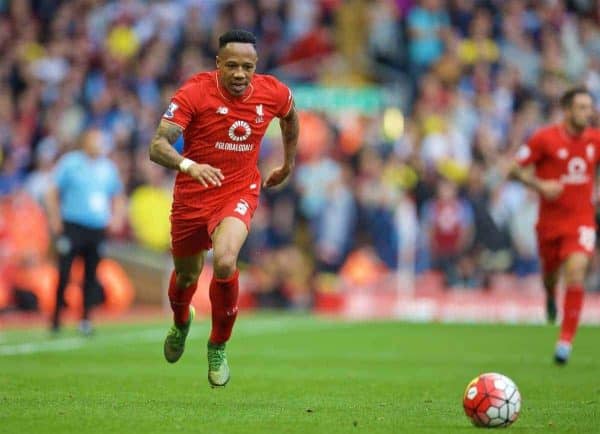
292	374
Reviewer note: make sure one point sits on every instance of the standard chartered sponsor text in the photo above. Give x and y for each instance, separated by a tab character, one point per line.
236	147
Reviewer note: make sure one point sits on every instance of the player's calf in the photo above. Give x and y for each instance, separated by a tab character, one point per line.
550	309
575	269
550	282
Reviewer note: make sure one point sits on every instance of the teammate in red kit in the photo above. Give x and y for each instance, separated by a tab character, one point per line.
223	115
565	157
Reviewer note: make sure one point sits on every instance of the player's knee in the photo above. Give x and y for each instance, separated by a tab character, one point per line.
186	279
575	272
225	265
575	276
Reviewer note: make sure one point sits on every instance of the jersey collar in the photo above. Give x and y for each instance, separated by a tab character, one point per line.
565	132
228	97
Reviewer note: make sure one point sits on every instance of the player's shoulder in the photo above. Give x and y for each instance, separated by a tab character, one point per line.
198	81
549	130
70	161
200	77
203	77
267	82
72	157
545	133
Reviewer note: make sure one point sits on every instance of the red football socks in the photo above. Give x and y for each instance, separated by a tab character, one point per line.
180	299
223	298
571	313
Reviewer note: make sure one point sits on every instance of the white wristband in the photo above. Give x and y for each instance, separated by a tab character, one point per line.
185	164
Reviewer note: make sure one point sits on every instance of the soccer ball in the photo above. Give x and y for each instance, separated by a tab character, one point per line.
492	400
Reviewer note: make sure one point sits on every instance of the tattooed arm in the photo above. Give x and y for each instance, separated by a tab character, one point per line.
162	152
161	148
290	129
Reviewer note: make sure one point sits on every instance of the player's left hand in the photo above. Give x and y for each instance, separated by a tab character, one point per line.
550	189
277	176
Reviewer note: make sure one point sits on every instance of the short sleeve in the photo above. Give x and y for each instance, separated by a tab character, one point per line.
284	99
530	152
181	110
60	174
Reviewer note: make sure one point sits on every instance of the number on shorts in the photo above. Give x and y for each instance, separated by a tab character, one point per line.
242	207
587	237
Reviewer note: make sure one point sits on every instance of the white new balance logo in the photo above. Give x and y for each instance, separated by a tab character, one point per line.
222	110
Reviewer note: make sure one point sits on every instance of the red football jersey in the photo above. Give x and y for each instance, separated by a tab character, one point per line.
572	160
224	131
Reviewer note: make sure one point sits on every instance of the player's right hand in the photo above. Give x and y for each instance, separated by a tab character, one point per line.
205	174
550	189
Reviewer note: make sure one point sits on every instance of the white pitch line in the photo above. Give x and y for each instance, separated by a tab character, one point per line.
249	328
40	347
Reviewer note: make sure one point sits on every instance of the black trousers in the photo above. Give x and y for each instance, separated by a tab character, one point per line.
77	240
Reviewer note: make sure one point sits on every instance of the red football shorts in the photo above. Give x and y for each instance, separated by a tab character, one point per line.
555	250
191	228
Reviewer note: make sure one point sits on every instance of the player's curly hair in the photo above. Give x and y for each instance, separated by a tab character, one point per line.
566	100
237	35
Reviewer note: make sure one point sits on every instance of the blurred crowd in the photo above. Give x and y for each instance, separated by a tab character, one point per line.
415	186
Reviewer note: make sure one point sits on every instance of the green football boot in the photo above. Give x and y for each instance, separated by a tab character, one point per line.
175	340
218	369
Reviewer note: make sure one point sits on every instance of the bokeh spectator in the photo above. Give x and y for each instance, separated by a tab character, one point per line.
462	83
448	227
